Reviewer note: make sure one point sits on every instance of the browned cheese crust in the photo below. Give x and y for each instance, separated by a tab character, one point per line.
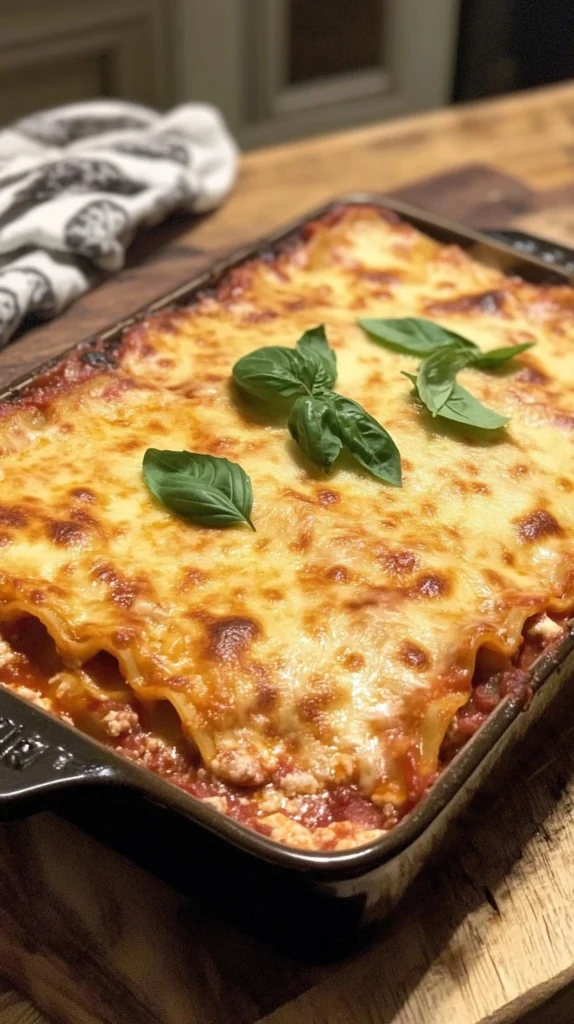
302	678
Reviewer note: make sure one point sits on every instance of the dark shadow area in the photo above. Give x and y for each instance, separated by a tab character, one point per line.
557	1010
506	45
149	240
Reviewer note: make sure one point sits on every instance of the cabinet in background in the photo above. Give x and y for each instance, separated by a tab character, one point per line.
283	68
277	69
59	51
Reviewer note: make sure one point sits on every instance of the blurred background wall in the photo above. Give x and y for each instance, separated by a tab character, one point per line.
280	68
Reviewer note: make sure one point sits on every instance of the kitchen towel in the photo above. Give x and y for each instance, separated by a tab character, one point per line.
76	182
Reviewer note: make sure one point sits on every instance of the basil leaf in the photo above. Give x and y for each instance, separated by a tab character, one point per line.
499	356
202	488
462	407
413	378
320	421
413	335
275	371
367	441
320	360
436	376
270	373
310	425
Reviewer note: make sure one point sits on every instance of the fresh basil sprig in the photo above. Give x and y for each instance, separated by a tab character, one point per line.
416	336
320	421
445	353
437	388
207	490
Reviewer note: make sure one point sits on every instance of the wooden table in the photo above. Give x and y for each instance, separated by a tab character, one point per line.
485	936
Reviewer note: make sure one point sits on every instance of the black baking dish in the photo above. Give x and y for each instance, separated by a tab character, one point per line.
313	902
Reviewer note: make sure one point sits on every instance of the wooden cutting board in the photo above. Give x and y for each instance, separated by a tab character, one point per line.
482	937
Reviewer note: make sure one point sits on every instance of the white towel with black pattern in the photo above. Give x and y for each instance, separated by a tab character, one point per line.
76	182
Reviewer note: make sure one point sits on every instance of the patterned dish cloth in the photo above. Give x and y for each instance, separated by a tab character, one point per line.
77	182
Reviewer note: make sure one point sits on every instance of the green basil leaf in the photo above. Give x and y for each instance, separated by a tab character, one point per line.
320	360
320	421
368	442
310	425
462	407
270	373
437	373
202	488
413	335
277	372
499	356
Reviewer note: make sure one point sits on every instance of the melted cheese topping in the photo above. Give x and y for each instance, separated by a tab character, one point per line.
335	645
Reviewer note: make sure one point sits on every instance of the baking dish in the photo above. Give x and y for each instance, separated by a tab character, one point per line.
43	762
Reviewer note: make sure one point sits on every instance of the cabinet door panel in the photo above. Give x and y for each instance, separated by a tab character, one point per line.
332	37
49	83
283	68
70	50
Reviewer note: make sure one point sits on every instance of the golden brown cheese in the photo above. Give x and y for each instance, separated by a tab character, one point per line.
335	645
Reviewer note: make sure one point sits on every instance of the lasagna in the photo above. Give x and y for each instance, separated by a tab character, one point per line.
311	678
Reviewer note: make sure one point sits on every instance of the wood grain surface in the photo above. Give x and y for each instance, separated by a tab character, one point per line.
485	936
519	155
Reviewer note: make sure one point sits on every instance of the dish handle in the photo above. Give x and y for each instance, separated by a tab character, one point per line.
40	756
553	253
